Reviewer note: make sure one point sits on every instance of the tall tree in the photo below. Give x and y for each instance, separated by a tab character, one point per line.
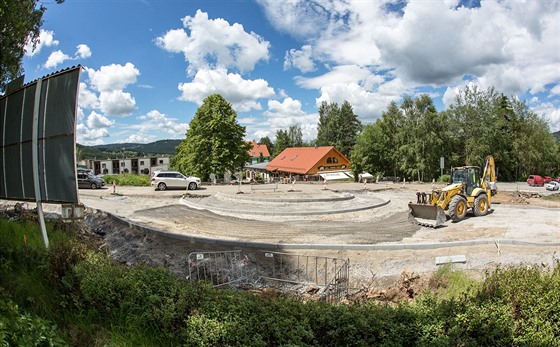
266	141
214	142
327	126
338	126
348	128
296	136
20	21
282	141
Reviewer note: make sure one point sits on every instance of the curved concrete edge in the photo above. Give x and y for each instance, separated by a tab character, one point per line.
191	204
324	246
241	197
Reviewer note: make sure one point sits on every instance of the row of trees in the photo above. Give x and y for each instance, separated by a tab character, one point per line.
407	141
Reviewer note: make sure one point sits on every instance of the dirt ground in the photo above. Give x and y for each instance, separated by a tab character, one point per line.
140	225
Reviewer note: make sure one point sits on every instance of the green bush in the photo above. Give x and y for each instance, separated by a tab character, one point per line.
18	328
128	180
444	179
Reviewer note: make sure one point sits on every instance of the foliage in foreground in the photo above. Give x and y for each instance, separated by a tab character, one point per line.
127	180
95	301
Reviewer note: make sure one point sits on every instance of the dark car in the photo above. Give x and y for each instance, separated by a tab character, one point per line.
88	180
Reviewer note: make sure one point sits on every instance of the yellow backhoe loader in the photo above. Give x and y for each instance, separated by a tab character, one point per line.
468	189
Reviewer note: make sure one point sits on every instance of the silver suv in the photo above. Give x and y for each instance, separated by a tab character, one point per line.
163	180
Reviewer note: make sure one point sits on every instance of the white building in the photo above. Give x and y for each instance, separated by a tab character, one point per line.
141	165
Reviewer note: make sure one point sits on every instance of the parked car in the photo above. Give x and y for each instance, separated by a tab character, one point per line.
163	180
552	185
557	179
535	180
547	179
89	180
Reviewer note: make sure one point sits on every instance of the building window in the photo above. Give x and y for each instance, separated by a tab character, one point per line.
142	162
329	160
104	165
161	161
335	160
122	163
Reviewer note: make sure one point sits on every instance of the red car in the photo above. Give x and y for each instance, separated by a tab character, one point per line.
557	179
547	179
535	180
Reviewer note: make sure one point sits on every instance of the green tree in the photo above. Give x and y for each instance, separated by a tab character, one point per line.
214	142
338	126
327	126
20	22
370	152
295	135
349	126
266	141
282	142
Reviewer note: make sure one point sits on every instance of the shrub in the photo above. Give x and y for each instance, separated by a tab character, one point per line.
128	180
22	329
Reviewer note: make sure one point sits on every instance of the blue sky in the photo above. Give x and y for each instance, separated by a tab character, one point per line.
149	64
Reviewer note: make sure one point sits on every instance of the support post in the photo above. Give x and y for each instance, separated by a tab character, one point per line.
35	155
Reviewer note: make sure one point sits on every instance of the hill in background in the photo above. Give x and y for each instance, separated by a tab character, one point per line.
128	150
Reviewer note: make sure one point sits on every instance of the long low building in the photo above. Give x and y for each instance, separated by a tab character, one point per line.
140	165
310	163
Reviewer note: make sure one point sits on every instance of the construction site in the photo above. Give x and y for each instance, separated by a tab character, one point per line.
332	239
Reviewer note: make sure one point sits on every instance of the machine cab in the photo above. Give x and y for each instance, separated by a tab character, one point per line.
469	176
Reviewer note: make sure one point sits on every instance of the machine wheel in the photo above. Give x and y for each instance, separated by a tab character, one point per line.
458	208
480	205
161	186
93	186
192	186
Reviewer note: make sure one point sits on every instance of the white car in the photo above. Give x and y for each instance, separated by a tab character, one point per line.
163	180
552	185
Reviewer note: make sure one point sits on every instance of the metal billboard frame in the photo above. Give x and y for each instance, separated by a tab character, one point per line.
38	140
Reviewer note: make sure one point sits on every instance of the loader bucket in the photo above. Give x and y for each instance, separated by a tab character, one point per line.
428	215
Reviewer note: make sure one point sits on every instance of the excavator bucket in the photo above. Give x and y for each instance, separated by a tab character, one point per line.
427	215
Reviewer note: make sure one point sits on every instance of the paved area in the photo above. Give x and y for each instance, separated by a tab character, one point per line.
158	227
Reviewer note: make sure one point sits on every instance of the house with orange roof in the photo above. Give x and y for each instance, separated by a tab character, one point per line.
310	163
257	151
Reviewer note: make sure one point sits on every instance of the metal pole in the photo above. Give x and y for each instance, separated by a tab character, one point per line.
35	155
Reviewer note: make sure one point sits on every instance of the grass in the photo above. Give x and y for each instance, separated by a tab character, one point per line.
128	180
552	197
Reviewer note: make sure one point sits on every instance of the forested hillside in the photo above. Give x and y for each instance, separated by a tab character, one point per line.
128	150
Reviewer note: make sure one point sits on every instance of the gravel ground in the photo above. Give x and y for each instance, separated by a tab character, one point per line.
379	242
518	231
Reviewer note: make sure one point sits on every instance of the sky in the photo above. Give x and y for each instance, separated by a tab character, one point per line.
149	64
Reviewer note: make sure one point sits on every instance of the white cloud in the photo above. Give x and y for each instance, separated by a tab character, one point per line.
90	137
116	103
213	43
112	77
82	51
46	39
367	105
56	58
512	46
138	138
282	115
551	113
300	59
242	94
86	98
96	121
157	120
